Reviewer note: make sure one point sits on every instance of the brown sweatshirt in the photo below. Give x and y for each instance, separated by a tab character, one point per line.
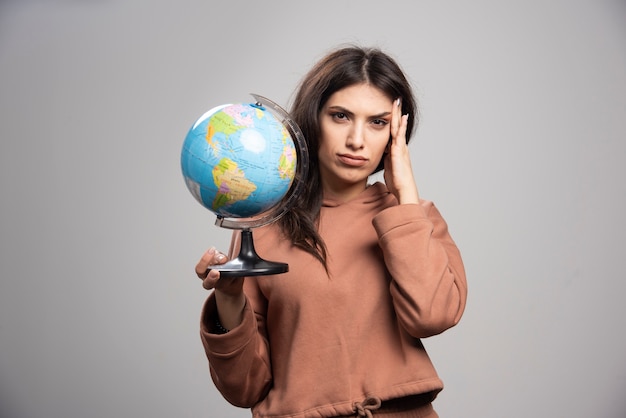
311	345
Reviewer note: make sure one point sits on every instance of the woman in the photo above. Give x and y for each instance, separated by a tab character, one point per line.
372	268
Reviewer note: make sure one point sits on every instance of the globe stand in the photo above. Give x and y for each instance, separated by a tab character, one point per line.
248	262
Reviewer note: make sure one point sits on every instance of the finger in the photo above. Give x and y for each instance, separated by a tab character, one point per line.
404	122
203	264
396	121
211	279
210	257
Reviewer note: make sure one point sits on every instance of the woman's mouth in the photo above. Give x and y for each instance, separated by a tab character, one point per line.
352	160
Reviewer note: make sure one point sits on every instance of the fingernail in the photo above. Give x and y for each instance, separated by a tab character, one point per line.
398	102
211	251
220	257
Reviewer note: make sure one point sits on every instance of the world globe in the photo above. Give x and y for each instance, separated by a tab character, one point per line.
246	164
238	160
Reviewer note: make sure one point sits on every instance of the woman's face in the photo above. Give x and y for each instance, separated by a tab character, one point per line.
354	126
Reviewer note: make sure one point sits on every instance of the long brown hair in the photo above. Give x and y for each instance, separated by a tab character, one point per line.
339	69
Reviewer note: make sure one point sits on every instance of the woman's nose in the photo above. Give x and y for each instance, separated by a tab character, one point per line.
356	136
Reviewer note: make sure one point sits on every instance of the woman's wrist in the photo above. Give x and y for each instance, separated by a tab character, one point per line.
229	308
218	328
408	195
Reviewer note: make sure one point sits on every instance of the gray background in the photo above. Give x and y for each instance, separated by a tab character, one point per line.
522	147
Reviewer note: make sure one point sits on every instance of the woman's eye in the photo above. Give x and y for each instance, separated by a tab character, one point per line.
339	115
380	122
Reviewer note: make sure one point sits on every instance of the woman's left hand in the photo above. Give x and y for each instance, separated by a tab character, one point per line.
398	171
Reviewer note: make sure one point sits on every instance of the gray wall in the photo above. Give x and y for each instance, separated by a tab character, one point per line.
522	147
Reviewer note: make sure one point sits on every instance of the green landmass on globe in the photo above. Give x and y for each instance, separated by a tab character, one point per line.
232	184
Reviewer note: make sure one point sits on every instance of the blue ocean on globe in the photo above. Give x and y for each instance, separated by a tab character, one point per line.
238	160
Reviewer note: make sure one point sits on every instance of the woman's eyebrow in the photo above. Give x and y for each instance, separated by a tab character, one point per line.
349	113
340	109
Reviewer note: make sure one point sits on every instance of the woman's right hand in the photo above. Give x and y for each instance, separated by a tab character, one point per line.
211	277
229	296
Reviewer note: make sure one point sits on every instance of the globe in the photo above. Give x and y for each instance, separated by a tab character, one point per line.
245	165
238	160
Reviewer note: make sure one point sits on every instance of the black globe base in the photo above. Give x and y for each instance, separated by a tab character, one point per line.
248	262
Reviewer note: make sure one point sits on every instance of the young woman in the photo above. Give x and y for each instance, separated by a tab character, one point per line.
372	268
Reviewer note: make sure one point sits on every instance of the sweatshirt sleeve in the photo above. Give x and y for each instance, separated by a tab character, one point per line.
238	360
428	286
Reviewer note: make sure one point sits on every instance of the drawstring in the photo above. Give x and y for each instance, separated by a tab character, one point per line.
363	409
